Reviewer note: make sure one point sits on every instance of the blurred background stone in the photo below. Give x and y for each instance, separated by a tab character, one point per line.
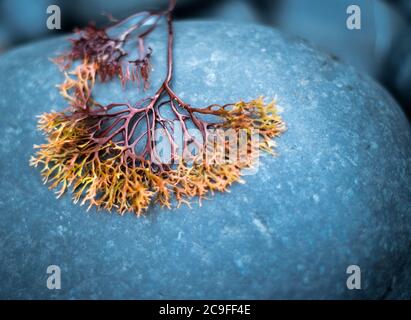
25	20
397	72
324	23
5	37
93	10
403	5
236	11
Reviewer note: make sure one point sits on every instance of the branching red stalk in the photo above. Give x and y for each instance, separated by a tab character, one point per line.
109	153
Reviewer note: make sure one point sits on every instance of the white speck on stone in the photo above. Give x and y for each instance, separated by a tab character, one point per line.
373	145
193	62
13	131
260	226
217	56
60	230
239	263
210	79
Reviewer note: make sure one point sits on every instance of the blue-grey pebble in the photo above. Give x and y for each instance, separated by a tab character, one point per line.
325	24
96	10
397	71
337	194
235	11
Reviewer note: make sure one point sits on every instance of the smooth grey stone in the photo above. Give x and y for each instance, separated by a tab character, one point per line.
337	194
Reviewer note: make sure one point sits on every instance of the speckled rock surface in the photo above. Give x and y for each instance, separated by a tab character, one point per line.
337	194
